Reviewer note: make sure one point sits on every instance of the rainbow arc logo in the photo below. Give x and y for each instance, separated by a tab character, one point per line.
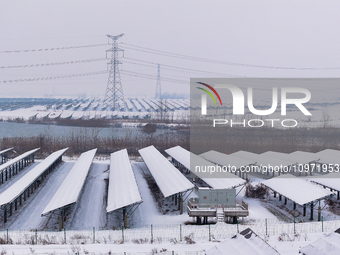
209	93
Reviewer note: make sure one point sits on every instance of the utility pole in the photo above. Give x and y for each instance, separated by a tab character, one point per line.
114	96
158	94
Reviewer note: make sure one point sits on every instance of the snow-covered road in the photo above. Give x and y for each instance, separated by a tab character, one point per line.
90	210
147	211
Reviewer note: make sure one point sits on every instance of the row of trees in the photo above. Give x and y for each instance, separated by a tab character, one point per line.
259	140
83	139
200	139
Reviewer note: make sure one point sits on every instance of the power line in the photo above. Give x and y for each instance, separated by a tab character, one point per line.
54	77
153	77
177	68
213	61
56	63
51	38
57	48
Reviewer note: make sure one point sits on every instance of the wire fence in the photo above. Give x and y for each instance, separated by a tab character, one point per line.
163	233
161	252
152	252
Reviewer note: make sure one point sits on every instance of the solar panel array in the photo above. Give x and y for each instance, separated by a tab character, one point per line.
123	189
168	178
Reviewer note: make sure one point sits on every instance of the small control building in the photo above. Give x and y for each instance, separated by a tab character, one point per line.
218	203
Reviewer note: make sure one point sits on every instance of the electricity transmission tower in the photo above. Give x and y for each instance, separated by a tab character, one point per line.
114	96
158	94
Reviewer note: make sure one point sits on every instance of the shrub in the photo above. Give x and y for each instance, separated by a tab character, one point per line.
257	191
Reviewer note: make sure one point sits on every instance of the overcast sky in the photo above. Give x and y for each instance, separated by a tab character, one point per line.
252	38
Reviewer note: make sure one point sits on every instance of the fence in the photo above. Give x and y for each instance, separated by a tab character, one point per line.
161	252
163	233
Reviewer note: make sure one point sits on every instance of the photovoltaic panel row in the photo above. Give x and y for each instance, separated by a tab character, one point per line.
168	178
123	189
183	156
69	191
14	191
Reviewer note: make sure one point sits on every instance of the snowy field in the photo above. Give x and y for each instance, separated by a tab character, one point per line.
284	244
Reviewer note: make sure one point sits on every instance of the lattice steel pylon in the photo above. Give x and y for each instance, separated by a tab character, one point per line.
158	94
114	96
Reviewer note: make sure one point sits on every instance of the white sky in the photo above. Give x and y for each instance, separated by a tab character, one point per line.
269	33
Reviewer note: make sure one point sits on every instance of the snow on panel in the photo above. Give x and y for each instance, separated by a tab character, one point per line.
54	115
225	160
149	102
103	114
86	105
70	189
331	180
263	159
224	183
77	115
180	103
330	152
168	178
6	150
16	159
129	104
281	157
296	189
67	106
123	189
174	103
144	104
92	115
247	242
94	106
329	156
25	181
66	114
25	114
230	180
75	107
304	156
156	102
187	102
137	104
42	114
326	245
165	104
183	156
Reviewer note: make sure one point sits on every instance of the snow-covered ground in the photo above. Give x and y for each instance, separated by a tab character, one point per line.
284	244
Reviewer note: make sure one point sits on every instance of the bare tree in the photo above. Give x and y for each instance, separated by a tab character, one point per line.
325	116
